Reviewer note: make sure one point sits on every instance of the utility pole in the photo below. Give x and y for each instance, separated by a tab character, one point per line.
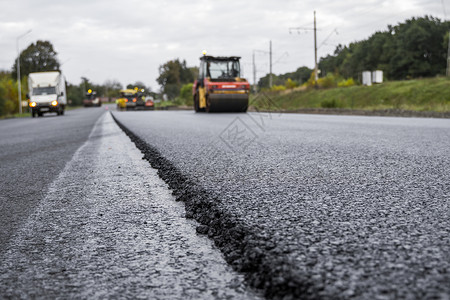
299	29
316	75
254	73
18	71
448	55
270	60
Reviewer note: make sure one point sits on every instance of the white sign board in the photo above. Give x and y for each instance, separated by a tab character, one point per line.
377	76
367	78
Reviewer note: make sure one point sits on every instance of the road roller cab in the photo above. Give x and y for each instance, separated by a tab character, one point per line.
219	87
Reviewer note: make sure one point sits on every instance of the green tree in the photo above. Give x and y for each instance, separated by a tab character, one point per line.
37	57
2	97
300	76
173	74
419	51
415	48
8	93
112	88
140	85
75	94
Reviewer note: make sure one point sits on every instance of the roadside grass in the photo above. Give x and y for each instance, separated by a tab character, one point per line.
165	104
28	114
431	94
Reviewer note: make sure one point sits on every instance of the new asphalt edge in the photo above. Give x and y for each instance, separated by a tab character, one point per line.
248	251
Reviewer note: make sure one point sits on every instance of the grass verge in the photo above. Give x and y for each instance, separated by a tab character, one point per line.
28	114
420	95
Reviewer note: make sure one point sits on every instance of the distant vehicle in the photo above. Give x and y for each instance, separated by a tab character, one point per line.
219	87
140	99
127	100
91	99
46	93
149	103
134	100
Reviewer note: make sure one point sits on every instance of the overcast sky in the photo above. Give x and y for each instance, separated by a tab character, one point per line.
128	40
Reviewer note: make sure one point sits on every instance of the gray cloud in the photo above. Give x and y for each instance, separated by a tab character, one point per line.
128	40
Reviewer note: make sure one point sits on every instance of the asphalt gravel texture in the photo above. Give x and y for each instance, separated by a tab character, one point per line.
309	206
108	227
33	151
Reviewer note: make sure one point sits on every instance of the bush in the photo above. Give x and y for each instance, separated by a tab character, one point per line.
345	83
8	95
278	88
186	92
328	81
290	84
329	103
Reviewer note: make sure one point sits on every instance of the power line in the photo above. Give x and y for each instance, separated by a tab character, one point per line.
299	29
326	39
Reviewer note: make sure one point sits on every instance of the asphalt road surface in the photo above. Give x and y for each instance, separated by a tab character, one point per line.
310	206
32	153
302	206
108	227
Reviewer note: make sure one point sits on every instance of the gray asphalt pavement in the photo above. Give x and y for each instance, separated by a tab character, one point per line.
32	153
107	227
311	206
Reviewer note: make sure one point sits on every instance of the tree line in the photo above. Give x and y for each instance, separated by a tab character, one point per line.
413	49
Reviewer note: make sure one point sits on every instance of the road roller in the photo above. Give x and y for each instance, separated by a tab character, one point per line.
219	86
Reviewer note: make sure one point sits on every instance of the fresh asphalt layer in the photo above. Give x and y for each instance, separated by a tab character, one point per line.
108	227
311	206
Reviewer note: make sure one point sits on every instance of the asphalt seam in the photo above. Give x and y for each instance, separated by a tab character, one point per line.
244	249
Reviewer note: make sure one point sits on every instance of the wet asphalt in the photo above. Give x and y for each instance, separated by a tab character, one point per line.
109	227
309	206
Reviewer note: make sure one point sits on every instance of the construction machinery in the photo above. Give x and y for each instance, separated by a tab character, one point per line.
134	99
128	99
91	99
219	87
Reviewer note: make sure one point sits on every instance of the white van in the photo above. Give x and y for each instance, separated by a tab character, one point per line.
46	93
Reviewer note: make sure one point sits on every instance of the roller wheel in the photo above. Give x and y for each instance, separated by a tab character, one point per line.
196	104
209	107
